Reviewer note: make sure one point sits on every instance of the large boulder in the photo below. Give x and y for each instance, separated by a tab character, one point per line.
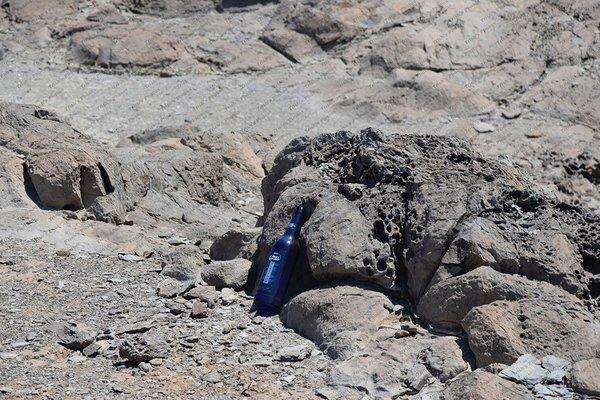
504	330
320	27
235	243
334	317
446	303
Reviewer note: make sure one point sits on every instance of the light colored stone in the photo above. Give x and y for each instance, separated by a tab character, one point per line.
227	274
293	353
527	370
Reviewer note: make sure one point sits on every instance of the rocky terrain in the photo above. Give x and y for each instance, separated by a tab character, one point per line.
151	151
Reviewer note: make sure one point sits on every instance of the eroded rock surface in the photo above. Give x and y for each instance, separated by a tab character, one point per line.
411	212
473	242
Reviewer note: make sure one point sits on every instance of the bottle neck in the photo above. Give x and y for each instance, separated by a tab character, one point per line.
293	228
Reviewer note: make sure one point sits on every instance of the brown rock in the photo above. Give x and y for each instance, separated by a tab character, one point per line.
63	168
446	303
31	11
199	309
206	294
585	377
126	46
170	8
504	330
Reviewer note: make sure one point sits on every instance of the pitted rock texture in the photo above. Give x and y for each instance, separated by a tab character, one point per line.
413	211
475	244
504	330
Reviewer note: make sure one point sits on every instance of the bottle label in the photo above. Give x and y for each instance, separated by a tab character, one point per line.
271	267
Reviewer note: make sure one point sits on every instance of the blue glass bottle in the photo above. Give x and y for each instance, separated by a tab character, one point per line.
276	274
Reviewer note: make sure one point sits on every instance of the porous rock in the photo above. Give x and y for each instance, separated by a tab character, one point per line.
504	330
472	241
407	212
427	211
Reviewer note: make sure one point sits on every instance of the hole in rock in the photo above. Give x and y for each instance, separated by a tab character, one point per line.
108	187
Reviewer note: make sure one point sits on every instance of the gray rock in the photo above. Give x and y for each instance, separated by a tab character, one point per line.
212	377
293	353
445	359
206	294
557	368
550	392
96	348
227	296
76	358
143	348
3	51
236	243
418	377
129	257
170	287
145	367
527	370
75	336
585	377
484	127
227	274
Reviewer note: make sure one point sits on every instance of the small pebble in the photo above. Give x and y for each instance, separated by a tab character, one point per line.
145	367
483	127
